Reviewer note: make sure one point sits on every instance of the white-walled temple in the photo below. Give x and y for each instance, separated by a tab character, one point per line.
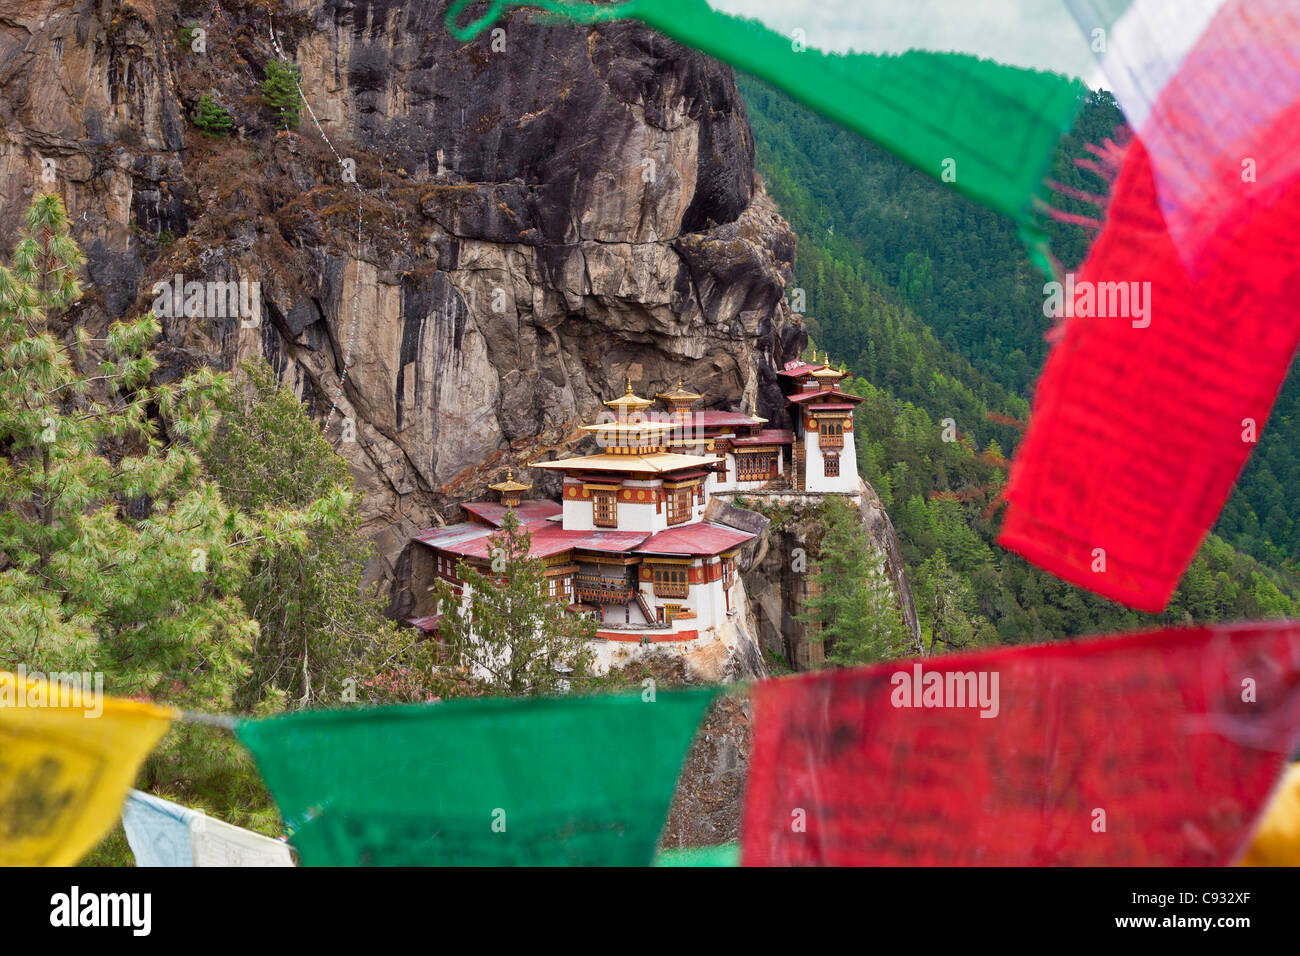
825	455
628	544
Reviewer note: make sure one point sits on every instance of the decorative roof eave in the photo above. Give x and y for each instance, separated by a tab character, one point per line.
651	462
631	428
826	393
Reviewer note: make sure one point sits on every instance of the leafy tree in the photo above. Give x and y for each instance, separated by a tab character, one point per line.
853	602
280	92
323	637
510	634
211	118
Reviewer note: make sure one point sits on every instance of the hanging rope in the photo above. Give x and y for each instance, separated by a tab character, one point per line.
348	353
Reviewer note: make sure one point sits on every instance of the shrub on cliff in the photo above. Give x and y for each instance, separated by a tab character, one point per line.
211	118
280	92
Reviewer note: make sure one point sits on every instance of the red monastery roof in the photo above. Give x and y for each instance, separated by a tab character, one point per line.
768	436
547	538
799	369
805	397
492	512
702	537
718	419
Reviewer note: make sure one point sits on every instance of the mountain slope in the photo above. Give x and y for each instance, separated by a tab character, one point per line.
932	300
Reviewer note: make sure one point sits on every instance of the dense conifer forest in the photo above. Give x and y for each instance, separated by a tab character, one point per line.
932	301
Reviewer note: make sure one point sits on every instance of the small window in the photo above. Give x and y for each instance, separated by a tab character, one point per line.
831	433
679	505
831	465
671	582
755	467
605	509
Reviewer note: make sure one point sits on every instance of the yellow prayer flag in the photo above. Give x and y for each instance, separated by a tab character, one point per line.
68	755
1277	839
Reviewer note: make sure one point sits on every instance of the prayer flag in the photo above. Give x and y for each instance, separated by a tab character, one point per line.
68	755
1153	749
549	781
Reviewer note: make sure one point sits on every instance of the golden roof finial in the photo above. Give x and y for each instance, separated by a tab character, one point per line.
509	487
629	385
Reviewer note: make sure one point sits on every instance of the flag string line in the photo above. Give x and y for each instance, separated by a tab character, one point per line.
224	721
348	351
350	342
231	722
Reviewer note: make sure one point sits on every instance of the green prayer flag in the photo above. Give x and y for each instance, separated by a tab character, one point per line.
483	782
724	854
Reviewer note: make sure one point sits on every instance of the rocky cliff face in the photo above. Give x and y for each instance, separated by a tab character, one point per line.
542	213
777	567
535	216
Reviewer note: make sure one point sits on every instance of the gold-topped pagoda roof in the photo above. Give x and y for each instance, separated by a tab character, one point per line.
679	395
629	401
509	484
631	429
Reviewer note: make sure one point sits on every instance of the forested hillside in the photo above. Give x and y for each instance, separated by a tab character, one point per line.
931	299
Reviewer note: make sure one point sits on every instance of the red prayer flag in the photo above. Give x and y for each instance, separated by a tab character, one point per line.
1141	424
1155	749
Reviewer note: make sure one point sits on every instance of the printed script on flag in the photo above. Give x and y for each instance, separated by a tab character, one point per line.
1153	749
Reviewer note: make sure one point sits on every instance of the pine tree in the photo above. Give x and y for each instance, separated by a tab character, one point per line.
508	631
280	92
211	118
115	553
854	603
945	603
